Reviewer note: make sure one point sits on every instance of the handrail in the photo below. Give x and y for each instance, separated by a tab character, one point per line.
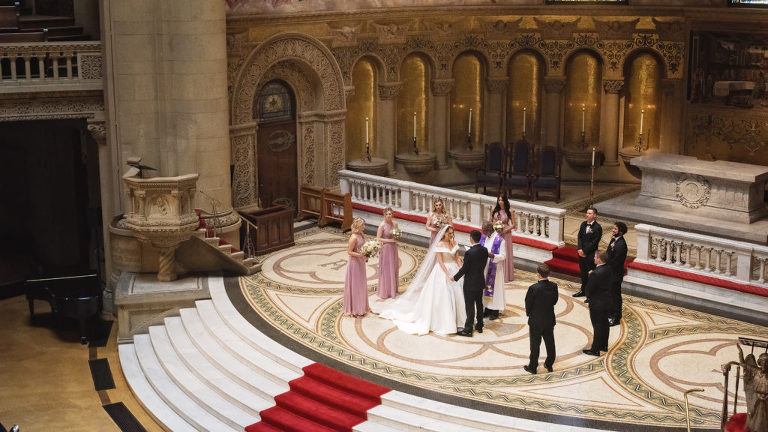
533	221
51	62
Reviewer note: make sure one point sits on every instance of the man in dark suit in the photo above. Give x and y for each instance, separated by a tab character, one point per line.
589	236
617	254
540	307
474	268
598	292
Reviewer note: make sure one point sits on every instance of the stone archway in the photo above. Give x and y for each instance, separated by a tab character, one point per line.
320	101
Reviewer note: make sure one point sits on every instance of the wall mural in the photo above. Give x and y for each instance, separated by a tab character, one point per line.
728	101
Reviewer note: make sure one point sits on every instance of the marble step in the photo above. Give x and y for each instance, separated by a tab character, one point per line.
147	395
232	342
250	334
173	396
249	401
372	426
226	248
239	255
239	371
213	241
408	421
195	388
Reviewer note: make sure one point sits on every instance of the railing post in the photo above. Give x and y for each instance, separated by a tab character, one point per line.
344	185
406	198
643	243
743	265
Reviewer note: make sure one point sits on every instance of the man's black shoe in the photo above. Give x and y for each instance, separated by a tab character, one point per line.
613	322
479	329
549	368
590	352
529	370
579	294
465	333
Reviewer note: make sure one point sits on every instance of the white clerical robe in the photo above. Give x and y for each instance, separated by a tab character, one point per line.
497	301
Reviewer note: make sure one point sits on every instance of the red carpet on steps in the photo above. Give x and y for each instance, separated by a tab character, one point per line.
321	400
565	260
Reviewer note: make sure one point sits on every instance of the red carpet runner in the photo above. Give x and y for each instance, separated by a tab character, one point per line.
565	260
322	400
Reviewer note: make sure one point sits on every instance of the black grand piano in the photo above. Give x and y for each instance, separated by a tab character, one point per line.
74	296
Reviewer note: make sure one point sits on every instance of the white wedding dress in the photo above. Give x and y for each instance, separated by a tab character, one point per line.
432	302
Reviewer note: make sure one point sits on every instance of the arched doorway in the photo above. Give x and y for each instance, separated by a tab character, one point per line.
276	145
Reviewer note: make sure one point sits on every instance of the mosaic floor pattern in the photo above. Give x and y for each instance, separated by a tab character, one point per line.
657	353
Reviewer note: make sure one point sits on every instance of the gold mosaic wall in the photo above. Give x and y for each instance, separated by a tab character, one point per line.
582	100
643	100
359	106
525	72
412	103
467	94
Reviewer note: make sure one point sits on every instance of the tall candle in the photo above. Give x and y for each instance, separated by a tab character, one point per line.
469	128
524	120
583	110
414	125
642	114
366	130
593	156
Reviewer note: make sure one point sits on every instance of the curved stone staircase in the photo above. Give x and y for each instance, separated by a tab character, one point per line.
210	369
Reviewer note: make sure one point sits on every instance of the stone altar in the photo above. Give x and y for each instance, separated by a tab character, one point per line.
717	198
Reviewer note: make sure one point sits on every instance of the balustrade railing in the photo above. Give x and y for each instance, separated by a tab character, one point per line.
50	62
532	221
706	255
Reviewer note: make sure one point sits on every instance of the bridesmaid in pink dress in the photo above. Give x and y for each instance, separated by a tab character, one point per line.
502	213
388	260
355	285
437	218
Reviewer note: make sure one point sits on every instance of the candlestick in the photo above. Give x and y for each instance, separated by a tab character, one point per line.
366	130
414	125
583	110
642	114
524	109
593	156
469	128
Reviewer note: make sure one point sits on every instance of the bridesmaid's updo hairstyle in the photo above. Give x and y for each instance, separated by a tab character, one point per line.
357	223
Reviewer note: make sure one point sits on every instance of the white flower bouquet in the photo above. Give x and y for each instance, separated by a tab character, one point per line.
396	234
370	248
498	226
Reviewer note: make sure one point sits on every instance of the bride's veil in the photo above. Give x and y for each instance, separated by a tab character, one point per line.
425	269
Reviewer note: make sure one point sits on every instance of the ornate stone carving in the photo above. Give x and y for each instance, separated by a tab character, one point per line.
335	148
556	29
693	190
554	51
306	94
53	105
616	29
613	86
672	52
90	66
614	52
308	143
391	33
389	90
670	30
442	87
500	29
554	84
441	30
244	176
497	85
292	48
345	35
98	130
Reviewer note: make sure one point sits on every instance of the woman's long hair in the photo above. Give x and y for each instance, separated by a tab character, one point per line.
506	206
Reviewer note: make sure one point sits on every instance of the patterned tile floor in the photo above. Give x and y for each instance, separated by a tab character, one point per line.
657	353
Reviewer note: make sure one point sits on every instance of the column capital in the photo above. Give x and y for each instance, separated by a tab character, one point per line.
613	86
441	87
390	90
497	84
554	84
98	130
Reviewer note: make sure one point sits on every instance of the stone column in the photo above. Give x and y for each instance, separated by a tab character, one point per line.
495	110
98	130
245	188
553	87
386	126
440	125
609	127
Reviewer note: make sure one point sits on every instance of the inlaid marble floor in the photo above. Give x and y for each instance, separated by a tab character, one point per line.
657	353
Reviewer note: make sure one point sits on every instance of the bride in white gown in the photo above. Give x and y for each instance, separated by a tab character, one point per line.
432	301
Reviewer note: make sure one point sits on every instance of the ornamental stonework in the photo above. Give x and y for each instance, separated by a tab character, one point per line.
442	87
613	86
390	90
693	190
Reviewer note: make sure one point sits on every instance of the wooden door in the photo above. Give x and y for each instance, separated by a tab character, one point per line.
276	148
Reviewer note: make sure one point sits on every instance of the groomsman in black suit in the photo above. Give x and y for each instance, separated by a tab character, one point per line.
540	307
617	254
598	292
589	236
474	267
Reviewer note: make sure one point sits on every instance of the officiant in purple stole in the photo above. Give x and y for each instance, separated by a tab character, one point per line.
493	296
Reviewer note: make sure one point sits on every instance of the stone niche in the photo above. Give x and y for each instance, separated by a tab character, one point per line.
719	198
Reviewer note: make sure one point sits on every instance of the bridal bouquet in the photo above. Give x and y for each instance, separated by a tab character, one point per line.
439	221
370	248
396	234
498	227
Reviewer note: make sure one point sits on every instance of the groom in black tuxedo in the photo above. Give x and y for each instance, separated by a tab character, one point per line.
474	267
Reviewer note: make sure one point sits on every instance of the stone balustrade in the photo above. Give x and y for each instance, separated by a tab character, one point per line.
737	261
37	63
536	222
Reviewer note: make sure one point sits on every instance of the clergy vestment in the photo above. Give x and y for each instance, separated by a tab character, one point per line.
496	302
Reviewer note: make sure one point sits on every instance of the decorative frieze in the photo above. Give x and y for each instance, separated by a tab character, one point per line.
442	87
556	29
613	86
616	29
497	85
390	90
554	84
